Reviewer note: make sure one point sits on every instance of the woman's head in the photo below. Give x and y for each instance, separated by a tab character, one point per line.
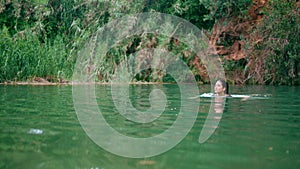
221	87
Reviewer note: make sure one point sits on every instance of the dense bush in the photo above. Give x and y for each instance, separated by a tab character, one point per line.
277	47
42	38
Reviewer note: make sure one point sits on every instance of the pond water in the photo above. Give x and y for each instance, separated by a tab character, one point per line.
39	129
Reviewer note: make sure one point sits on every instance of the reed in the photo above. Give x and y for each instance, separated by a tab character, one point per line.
25	57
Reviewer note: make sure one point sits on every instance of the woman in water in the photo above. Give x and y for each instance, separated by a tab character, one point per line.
215	115
221	88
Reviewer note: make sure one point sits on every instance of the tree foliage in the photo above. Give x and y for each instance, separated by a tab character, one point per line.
42	38
274	47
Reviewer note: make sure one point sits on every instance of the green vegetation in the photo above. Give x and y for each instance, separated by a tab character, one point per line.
27	57
278	48
43	38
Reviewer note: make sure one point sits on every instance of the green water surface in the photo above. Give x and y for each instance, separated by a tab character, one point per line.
39	128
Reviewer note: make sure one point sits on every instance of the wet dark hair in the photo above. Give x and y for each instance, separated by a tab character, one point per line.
225	85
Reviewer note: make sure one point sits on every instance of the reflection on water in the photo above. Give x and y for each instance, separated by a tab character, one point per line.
213	118
39	129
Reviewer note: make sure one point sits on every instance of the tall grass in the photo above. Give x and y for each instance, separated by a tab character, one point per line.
24	57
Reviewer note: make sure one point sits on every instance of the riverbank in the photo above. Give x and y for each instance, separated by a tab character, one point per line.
76	83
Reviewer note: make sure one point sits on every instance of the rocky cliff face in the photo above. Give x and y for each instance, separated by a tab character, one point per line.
230	34
236	31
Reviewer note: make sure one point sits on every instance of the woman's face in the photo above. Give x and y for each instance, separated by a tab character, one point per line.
219	88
